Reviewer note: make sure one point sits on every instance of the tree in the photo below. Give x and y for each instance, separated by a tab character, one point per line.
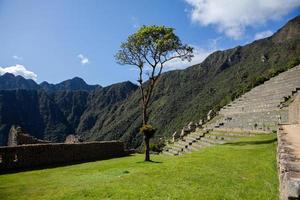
149	49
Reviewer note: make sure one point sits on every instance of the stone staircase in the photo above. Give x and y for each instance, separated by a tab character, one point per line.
203	138
258	111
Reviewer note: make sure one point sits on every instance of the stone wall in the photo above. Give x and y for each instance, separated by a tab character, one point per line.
294	111
39	155
288	157
288	153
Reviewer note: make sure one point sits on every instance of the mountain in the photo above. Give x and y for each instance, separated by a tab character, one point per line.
53	111
11	82
72	84
53	116
33	110
288	32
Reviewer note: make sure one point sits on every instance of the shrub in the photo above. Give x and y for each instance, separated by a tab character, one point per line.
157	146
147	130
292	63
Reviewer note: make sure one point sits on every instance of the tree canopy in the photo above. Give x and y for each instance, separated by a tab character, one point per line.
152	46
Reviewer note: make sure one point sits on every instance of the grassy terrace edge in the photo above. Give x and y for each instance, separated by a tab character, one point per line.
244	169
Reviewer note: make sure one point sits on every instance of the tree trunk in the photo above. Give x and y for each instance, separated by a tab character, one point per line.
146	138
145	118
147	148
145	103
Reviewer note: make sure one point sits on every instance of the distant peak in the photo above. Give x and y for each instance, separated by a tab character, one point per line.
124	84
8	75
73	84
76	78
73	79
44	83
291	30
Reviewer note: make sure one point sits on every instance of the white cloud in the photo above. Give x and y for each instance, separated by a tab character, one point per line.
232	17
199	55
83	60
18	70
263	34
17	57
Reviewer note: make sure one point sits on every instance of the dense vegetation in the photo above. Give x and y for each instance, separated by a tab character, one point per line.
180	96
241	170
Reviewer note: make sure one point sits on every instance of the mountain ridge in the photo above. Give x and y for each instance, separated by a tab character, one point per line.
180	96
9	81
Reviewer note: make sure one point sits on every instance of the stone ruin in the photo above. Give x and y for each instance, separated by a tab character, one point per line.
294	110
24	151
33	156
174	136
18	136
191	127
288	153
210	115
73	139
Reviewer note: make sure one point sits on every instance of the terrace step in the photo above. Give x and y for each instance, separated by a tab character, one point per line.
212	141
175	152
167	153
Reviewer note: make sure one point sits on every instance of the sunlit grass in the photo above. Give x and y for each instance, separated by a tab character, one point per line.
241	170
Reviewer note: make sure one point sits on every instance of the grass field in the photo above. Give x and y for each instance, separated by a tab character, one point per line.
241	170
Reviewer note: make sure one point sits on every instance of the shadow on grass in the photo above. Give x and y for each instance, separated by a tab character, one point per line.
242	143
56	165
151	161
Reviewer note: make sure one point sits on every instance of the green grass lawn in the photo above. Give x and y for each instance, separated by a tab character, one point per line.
241	170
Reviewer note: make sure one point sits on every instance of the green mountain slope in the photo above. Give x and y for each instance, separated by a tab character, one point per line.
187	95
55	115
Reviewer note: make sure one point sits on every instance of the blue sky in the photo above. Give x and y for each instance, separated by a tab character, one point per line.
59	39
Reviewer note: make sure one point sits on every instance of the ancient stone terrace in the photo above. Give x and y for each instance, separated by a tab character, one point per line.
258	111
261	107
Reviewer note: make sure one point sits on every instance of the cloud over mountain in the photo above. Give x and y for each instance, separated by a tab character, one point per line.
18	70
233	17
263	34
199	55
